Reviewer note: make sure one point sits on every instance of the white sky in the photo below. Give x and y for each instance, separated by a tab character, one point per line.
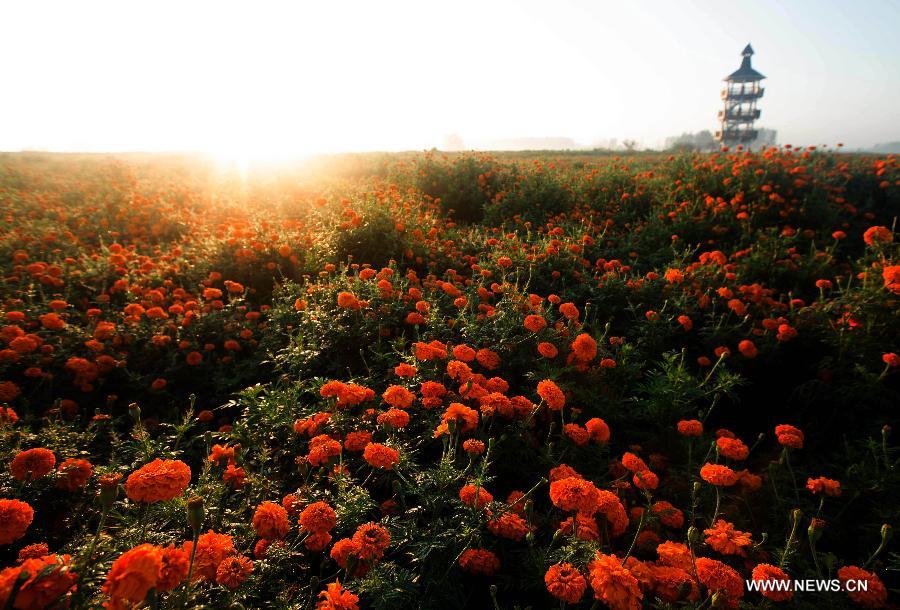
299	77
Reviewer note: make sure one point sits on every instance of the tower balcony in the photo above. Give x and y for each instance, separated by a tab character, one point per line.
739	115
739	95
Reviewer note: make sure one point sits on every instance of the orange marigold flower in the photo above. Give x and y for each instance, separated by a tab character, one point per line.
732	448
535	323
346	300
565	582
645	479
381	456
547	350
487	358
479	561
464	353
44	582
667	514
633	463
158	481
551	394
690	427
133	574
874	595
33	551
335	597
174	570
321	449
509	525
317	517
466	419
577	434
584	348
475	496
718	475
233	571
405	370
789	436
357	441
722	579
371	541
270	521
725	539
212	549
575	494
598	430
569	311
32	464
15	517
473	447
73	474
674	554
396	418
398	396
765	572
821	485
878	235
613	583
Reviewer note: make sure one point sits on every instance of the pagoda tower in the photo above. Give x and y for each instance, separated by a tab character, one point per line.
741	92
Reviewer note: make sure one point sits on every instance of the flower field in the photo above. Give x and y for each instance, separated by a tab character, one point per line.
449	381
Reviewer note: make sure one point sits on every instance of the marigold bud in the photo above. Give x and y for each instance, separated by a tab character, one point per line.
195	513
693	535
135	411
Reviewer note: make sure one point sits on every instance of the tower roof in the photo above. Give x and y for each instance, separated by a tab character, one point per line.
746	72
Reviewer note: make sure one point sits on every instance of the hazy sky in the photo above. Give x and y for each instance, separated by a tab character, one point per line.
300	76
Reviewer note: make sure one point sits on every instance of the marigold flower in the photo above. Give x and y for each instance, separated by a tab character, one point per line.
874	595
33	551
878	235
584	348
371	540
551	394
15	518
569	311
158	481
321	449
725	539
473	447
722	579
133	574
271	521
396	418
475	496
718	475
821	485
174	570
535	323
212	549
575	494
565	582
765	572
335	597
732	448
317	517
597	430
789	436
32	464
667	514
233	571
613	583
690	427
49	579
73	474
479	561
381	456
509	525
399	397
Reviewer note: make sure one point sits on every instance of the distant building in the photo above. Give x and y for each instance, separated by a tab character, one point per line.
742	91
